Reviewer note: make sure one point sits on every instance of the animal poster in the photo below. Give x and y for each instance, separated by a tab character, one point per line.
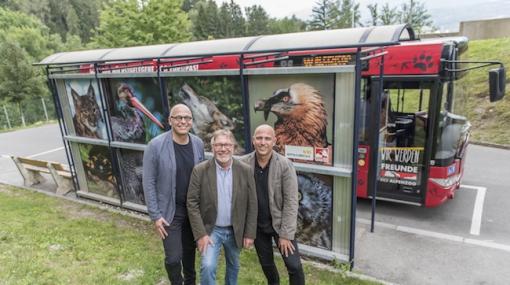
98	170
136	109
315	210
300	108
131	171
215	102
85	104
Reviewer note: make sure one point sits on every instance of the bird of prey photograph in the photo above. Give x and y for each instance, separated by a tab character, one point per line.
301	118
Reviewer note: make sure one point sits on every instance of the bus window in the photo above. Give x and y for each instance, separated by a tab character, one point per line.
453	132
406	105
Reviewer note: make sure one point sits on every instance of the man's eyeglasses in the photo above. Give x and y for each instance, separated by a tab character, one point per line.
180	118
222	145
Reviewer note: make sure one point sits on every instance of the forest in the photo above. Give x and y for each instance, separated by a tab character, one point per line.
32	30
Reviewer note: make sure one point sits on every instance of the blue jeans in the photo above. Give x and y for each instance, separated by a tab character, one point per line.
209	261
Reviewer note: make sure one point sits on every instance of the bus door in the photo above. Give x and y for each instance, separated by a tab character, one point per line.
408	104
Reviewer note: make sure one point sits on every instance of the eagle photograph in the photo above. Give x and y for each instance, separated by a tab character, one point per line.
301	110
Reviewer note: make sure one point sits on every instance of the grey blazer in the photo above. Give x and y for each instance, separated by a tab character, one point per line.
159	174
203	201
283	193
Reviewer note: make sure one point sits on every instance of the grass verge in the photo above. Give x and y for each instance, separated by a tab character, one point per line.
46	240
491	121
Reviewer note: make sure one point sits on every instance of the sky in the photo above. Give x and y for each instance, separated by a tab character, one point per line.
440	10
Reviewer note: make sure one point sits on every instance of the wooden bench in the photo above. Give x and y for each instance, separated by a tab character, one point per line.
31	170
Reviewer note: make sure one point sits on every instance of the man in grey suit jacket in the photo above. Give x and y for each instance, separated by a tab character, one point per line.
222	208
277	196
167	164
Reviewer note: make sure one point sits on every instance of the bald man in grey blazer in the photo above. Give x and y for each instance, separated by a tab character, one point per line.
167	164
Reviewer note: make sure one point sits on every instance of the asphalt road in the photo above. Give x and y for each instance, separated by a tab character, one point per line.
464	241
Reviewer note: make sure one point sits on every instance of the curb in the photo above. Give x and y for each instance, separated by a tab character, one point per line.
488	144
347	273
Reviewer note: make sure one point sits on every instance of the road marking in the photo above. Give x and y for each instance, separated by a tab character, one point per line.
46	152
476	220
437	235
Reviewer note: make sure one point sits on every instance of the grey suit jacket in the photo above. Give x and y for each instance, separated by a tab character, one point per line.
283	193
159	174
203	201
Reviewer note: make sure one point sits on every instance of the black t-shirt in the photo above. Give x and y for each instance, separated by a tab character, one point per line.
264	220
184	165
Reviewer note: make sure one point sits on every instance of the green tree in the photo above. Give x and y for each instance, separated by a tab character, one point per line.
20	80
346	14
287	25
257	21
133	22
374	14
389	15
232	22
206	21
415	14
63	17
187	5
323	14
412	12
386	15
28	33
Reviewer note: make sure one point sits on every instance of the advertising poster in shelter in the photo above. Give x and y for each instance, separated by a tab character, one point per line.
300	108
97	165
315	210
85	105
136	109
131	171
215	102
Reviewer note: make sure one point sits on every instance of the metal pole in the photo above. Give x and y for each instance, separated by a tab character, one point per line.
164	98
44	108
7	117
375	151
22	116
246	101
355	143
